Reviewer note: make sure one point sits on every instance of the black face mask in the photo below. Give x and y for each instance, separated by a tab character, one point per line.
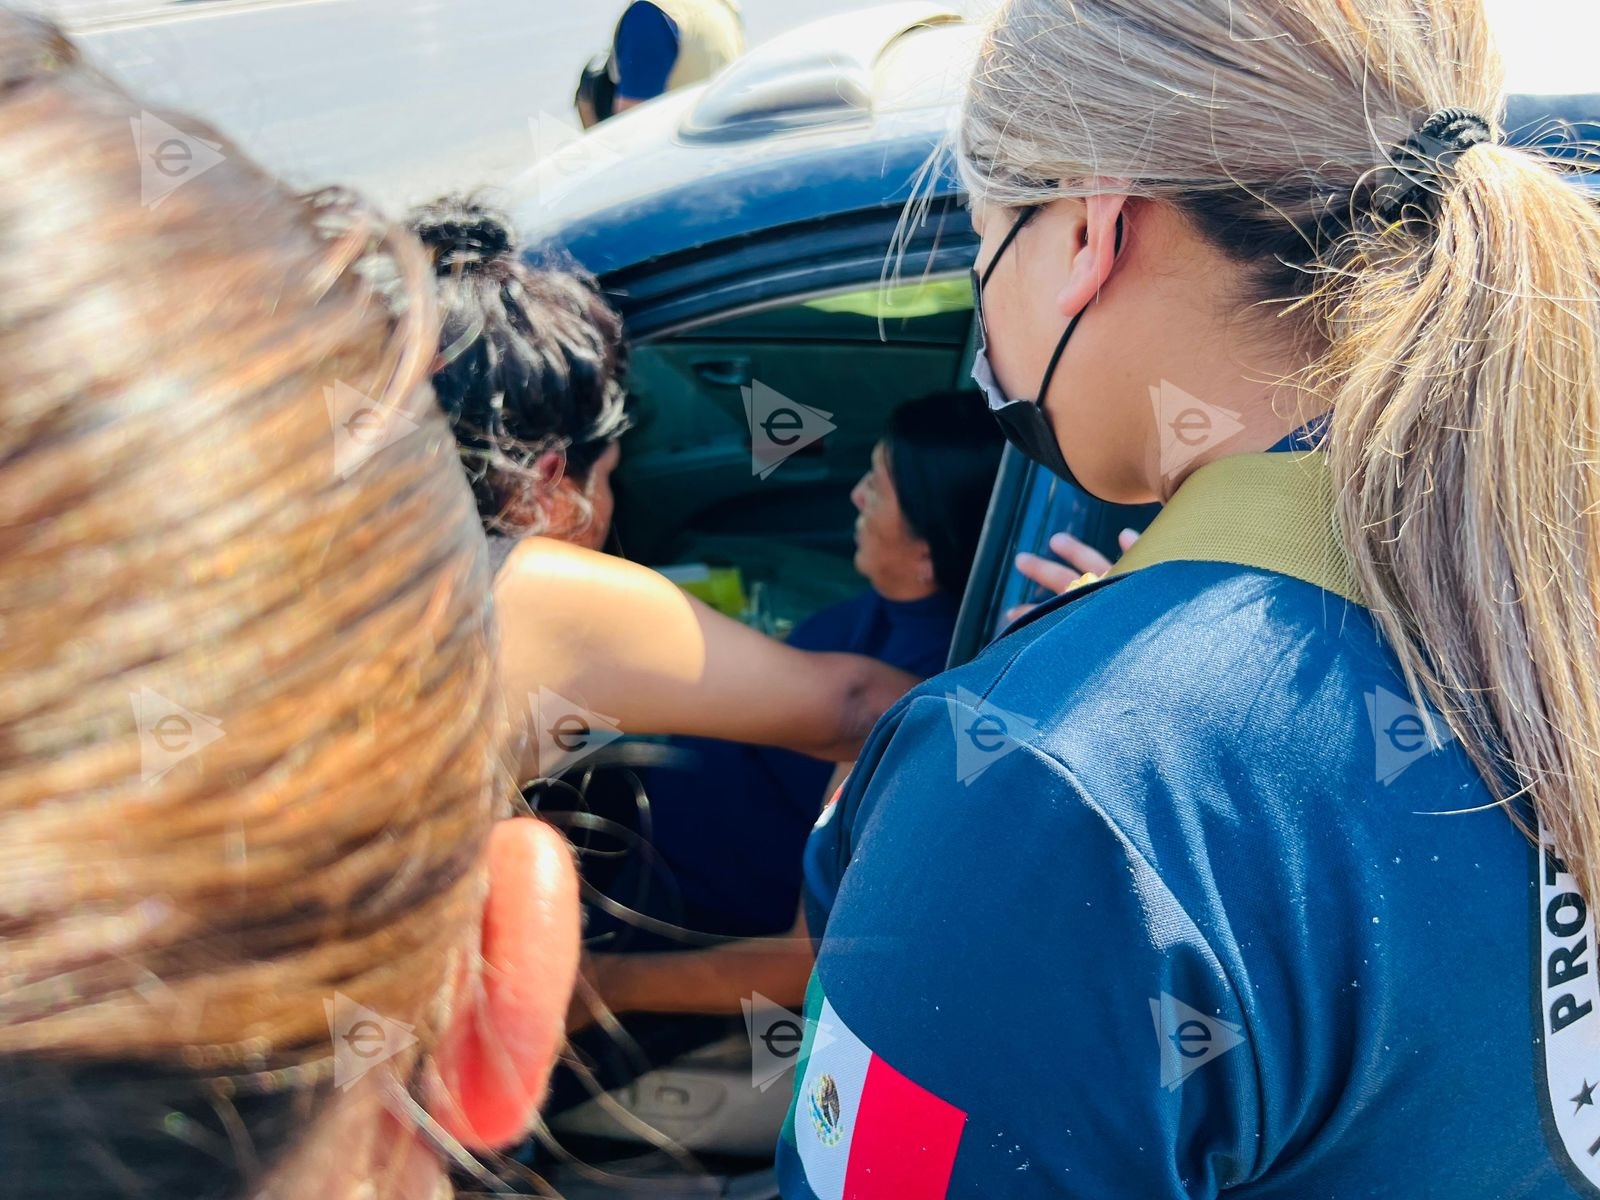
1024	422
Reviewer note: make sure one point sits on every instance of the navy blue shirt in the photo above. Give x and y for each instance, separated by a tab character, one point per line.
1167	895
732	827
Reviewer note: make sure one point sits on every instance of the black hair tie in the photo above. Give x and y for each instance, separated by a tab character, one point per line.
1420	169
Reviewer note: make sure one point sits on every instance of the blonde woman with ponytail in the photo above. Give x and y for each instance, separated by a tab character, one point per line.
1262	866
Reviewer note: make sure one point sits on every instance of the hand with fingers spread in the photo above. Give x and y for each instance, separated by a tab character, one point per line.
1081	563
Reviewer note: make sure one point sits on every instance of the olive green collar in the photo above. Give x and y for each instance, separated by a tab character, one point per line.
1270	511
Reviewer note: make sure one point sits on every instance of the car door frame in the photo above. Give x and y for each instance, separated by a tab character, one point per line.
665	296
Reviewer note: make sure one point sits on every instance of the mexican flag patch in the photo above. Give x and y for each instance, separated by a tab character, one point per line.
866	1132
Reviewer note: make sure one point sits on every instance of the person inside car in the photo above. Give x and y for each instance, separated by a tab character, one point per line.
269	930
727	829
529	372
1219	875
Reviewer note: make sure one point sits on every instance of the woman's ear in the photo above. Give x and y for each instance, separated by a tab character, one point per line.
549	468
1095	234
539	504
494	1061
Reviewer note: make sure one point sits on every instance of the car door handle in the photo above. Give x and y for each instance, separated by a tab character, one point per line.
725	372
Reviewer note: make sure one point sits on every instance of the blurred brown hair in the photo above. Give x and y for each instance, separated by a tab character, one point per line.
171	519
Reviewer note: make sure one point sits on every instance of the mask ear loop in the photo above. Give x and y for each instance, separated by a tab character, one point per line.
1061	346
1028	214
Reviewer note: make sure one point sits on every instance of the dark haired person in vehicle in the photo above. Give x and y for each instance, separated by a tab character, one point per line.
529	372
727	832
1228	874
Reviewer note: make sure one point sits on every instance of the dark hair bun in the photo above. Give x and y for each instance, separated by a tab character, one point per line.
463	233
531	356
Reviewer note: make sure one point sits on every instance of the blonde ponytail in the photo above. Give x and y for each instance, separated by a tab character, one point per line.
1465	382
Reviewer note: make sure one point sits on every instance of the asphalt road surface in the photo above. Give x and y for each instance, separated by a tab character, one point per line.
400	98
408	98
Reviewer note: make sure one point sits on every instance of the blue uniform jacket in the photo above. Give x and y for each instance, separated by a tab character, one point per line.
1167	894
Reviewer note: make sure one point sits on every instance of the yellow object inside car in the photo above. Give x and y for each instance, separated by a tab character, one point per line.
720	587
931	298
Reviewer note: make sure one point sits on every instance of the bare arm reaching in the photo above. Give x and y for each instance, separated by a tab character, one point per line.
621	640
713	980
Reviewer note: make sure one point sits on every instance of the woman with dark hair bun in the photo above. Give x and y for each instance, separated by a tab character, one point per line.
530	372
